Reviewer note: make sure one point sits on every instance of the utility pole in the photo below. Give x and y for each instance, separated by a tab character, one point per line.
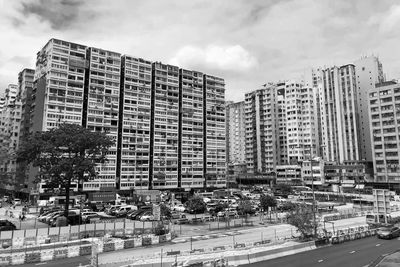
313	203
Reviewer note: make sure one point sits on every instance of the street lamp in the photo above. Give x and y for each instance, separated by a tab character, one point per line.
316	159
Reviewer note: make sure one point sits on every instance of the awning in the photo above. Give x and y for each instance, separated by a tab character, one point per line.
360	186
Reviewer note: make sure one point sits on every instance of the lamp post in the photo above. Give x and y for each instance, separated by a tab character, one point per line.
313	193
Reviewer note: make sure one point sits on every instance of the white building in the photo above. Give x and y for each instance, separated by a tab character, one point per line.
384	114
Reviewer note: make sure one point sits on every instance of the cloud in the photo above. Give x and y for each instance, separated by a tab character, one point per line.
230	58
390	20
59	14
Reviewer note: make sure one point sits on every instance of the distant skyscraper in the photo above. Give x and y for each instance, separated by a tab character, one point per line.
339	114
369	72
236	135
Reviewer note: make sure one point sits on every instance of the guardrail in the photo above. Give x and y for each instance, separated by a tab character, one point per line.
34	237
42	254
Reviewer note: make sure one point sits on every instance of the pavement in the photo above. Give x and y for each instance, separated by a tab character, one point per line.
357	253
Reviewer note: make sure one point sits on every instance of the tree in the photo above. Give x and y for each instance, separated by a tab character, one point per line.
302	218
68	153
196	205
220	207
284	189
165	212
245	207
288	206
266	202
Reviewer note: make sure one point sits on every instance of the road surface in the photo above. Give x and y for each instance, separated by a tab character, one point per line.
356	253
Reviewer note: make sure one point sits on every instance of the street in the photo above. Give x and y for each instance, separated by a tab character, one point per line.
356	253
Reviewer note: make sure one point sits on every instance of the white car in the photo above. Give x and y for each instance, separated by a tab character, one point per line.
178	207
88	214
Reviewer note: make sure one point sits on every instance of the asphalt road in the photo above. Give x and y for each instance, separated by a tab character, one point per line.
356	253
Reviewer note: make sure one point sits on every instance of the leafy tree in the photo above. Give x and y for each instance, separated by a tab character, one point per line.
68	153
196	205
288	206
267	201
302	218
220	207
245	207
284	189
165	212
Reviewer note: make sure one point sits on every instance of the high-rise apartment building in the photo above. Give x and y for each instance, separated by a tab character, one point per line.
214	131
10	120
261	129
168	123
236	135
165	126
191	116
134	123
369	72
25	84
301	122
339	114
384	106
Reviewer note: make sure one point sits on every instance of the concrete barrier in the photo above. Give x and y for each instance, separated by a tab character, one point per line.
118	244
85	250
32	257
17	258
138	241
46	255
5	260
73	251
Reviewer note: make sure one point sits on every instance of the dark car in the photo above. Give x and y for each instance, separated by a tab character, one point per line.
181	221
388	232
6	225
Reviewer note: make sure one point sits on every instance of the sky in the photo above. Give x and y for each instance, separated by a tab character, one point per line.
246	42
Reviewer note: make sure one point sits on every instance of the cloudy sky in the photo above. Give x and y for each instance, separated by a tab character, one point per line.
245	42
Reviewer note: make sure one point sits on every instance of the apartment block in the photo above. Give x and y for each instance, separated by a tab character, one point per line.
339	114
10	119
261	130
214	131
384	106
236	134
134	123
164	127
191	143
163	118
369	72
101	107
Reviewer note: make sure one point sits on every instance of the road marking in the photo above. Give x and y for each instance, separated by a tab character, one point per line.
377	245
351	252
320	260
41	263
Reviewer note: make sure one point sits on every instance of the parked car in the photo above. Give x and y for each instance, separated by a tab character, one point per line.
6	225
388	232
181	221
133	213
176	215
122	211
178	207
148	216
89	214
196	220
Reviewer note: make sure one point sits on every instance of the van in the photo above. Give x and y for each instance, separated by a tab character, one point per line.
17	202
